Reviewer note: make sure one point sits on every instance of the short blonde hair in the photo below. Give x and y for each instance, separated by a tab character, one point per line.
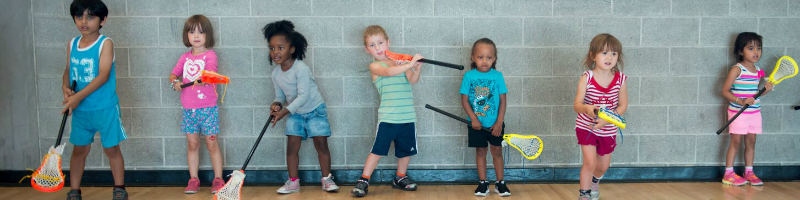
205	25
600	43
374	30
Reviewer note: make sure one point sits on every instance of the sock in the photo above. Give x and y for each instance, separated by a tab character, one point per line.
596	179
400	175
482	181
79	191
365	178
294	179
728	170
119	186
584	192
748	169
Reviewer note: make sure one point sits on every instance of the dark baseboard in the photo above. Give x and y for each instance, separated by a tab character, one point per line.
431	176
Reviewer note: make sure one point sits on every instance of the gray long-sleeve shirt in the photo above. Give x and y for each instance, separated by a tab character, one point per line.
296	86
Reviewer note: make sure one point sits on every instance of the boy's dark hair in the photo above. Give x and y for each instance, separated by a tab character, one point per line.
94	7
742	40
286	28
484	41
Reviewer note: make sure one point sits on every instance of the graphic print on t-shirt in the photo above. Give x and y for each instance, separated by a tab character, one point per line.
192	69
482	97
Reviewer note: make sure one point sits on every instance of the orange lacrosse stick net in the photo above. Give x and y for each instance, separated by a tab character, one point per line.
215	78
48	177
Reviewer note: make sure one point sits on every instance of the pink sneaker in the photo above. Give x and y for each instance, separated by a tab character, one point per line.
193	186
328	185
290	187
216	185
753	179
733	179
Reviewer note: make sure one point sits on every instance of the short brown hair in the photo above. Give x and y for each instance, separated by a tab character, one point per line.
600	43
374	30
205	26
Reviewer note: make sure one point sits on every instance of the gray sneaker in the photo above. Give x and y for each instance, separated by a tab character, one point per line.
74	195
595	191
120	194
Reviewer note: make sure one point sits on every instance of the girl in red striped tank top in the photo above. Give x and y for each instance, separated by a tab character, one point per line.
602	85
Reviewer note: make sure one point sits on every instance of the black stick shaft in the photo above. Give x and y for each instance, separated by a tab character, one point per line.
740	111
64	119
453	116
796	108
255	146
190	83
443	64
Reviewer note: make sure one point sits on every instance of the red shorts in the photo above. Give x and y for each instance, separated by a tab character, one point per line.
605	145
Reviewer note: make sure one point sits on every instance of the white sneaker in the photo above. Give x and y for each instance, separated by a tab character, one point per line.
328	185
290	187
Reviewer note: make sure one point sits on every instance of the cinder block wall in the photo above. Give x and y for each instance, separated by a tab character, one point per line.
676	51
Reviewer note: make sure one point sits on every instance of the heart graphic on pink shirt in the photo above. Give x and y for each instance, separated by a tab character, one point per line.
192	69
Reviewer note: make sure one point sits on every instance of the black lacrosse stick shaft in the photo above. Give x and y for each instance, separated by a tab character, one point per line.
64	119
453	116
443	64
257	141
740	111
796	108
190	83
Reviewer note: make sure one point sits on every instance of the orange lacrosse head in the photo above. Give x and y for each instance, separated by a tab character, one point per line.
213	77
397	56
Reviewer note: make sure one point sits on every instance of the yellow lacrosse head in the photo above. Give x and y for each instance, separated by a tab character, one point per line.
784	65
529	145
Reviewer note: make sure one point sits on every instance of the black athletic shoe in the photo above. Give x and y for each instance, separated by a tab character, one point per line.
361	188
483	189
501	189
404	183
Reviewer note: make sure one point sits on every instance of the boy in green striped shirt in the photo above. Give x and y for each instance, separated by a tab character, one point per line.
396	115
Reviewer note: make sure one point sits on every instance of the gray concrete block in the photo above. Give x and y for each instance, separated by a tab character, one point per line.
711	90
768	8
633	86
308	152
503	31
708	61
528	120
568	61
783	93
444	88
626	30
444	125
553	31
243	94
403	8
260	117
771	118
713	148
51	61
360	92
455	55
700	8
93	160
696	119
169	97
236	121
627	150
789	122
425	120
670	31
645	61
270	152
332	90
342	7
462	8
642	8
319	31
564	120
140	92
155	122
143	152
227	8
668	90
160	8
243	31
515	91
523	8
132	31
677	149
440	150
559	150
50	93
723	31
578	7
50	122
646	119
281	8
54	31
235	62
170	31
794	5
356	64
772	148
525	61
433	31
154	62
780	29
358	148
175	152
549	91
121	62
353	27
355	121
48	7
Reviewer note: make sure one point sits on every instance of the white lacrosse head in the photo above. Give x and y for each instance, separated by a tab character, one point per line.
48	178
232	190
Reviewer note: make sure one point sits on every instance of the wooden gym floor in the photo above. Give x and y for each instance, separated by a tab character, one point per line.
638	191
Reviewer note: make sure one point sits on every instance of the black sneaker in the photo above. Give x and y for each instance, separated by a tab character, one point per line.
74	195
501	189
361	188
120	194
404	183
483	188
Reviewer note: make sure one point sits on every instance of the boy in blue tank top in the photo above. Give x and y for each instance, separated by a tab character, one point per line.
94	104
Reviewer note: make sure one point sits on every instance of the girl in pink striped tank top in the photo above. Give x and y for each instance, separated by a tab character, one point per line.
602	85
739	88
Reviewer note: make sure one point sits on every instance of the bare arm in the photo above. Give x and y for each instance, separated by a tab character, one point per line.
726	87
578	105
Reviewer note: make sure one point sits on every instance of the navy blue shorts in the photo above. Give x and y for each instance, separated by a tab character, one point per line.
404	137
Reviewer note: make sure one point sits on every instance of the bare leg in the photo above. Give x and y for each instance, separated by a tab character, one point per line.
193	153
292	154
77	164
480	160
117	164
215	154
589	164
497	159
323	154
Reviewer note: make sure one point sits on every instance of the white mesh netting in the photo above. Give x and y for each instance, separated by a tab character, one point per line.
49	177
232	189
785	68
529	147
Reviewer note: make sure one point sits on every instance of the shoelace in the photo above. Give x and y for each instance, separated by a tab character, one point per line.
405	180
362	184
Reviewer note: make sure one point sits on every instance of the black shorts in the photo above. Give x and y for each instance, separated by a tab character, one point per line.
478	138
404	137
